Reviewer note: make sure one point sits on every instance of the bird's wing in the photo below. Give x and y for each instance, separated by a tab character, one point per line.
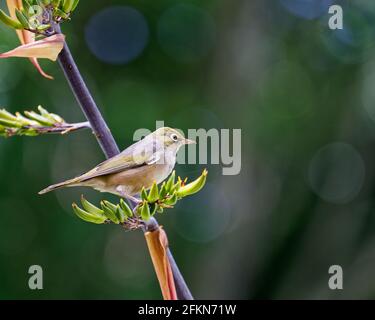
137	155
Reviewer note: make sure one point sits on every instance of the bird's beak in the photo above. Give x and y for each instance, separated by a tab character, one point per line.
188	141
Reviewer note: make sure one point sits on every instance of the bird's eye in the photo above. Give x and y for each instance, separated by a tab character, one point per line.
174	137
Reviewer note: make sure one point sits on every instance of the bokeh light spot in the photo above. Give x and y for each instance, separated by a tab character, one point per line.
336	173
186	33
355	42
368	92
307	9
117	35
204	218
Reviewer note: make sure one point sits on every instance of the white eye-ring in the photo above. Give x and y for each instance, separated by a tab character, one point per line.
174	137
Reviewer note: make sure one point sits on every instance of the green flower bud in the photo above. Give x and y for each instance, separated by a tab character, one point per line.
176	186
153	208
110	205
51	117
25	121
144	195
160	209
75	4
7	115
86	216
26	5
171	181
89	207
120	214
33	115
59	13
171	201
124	206
194	186
56	3
9	21
145	211
109	211
163	191
56	118
40	3
22	19
10	123
68	5
153	195
43	27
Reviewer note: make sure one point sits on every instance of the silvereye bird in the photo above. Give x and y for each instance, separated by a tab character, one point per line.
149	160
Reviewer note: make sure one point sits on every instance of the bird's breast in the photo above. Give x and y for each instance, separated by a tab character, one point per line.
133	180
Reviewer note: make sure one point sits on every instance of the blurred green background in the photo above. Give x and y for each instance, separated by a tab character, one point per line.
304	98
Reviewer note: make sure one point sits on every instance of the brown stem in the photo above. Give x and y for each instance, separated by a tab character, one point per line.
61	129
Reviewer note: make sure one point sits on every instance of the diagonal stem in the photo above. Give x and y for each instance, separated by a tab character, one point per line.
61	129
106	140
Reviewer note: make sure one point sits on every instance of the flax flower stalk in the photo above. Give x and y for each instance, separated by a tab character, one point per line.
157	243
30	48
108	144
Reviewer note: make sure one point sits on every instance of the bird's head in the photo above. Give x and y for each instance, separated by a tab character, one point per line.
171	138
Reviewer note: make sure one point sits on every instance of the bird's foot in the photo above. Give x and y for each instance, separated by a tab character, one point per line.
129	197
133	224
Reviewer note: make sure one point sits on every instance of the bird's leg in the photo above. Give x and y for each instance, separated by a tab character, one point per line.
123	194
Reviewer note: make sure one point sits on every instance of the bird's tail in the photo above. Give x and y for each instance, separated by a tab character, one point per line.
68	183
